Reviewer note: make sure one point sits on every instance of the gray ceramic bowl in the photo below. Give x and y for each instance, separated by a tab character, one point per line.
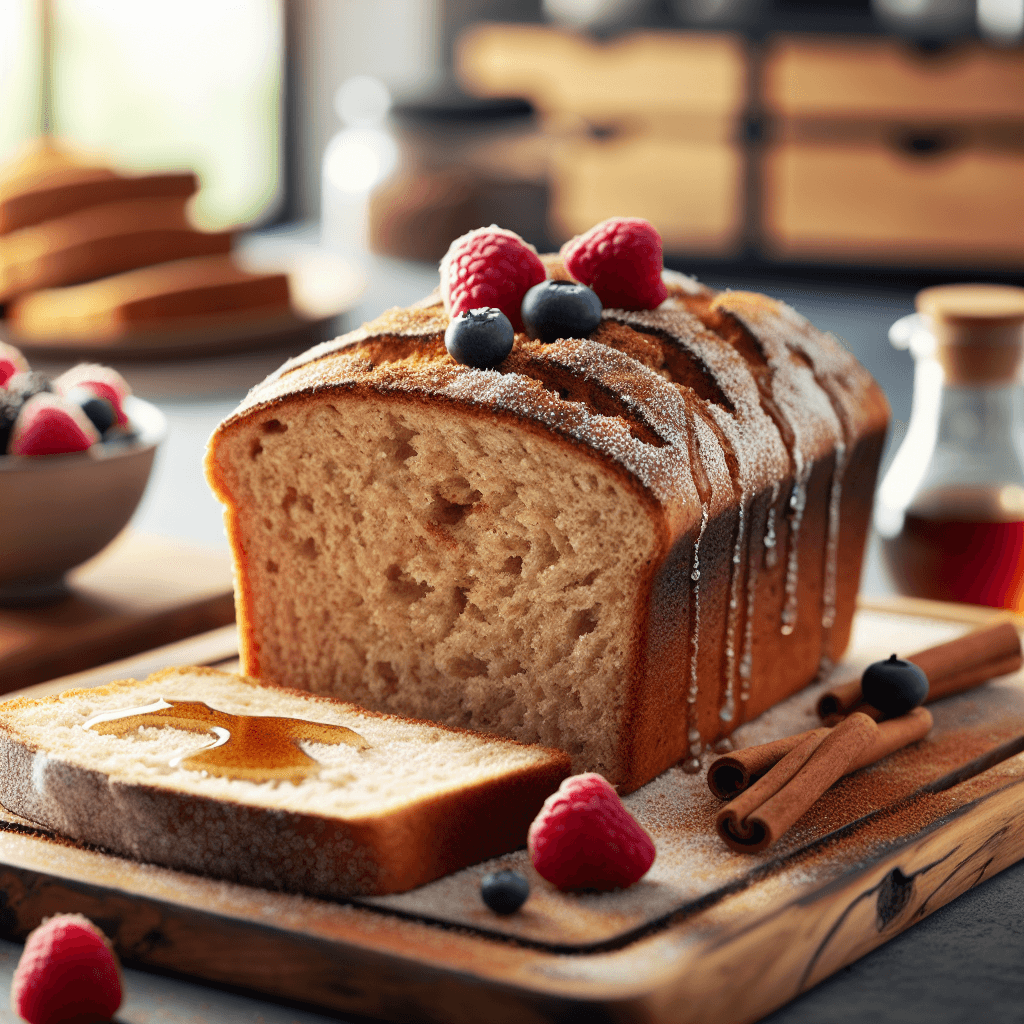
56	511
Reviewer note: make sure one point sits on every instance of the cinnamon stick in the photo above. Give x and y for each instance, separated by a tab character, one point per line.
952	667
732	773
765	811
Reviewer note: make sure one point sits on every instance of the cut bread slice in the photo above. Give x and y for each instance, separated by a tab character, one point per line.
214	773
102	240
190	293
49	179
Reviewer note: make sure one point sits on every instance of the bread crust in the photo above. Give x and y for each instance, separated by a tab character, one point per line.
318	854
731	420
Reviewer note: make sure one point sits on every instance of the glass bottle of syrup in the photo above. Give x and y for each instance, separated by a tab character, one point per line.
950	510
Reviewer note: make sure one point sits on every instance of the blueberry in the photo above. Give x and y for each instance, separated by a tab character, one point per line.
504	891
10	406
479	337
894	686
560	309
99	410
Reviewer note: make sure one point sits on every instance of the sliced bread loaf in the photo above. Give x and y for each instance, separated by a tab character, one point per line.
206	291
214	773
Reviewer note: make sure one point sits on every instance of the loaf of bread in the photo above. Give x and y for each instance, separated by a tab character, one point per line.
192	294
210	772
622	545
101	240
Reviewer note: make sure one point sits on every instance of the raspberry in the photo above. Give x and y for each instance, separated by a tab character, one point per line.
48	425
68	974
489	267
11	362
101	380
621	260
583	838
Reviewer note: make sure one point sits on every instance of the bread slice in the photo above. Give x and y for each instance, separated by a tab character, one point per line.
185	294
48	179
386	807
101	240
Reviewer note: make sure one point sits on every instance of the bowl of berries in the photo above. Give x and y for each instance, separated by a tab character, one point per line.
75	456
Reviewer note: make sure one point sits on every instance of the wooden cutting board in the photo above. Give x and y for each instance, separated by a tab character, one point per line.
707	935
131	597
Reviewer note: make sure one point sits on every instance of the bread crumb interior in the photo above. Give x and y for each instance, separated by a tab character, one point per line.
417	560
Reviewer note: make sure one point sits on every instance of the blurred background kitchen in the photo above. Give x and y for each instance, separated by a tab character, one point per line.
840	156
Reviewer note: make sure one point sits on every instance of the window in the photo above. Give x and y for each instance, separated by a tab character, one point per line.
195	84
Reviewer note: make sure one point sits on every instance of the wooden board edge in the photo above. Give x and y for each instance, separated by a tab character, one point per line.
853	915
726	979
128	636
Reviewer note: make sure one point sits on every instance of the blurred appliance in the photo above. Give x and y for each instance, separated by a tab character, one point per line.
464	161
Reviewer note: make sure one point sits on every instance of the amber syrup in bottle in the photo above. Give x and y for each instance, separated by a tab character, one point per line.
950	510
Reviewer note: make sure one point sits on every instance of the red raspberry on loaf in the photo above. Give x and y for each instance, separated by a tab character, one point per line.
489	267
100	380
11	362
47	425
68	974
621	260
583	838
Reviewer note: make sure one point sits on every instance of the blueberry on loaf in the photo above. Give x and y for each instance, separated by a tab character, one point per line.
621	544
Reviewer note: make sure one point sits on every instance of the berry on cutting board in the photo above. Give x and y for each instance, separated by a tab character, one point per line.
504	891
621	260
560	309
489	267
50	425
584	838
894	686
68	974
11	362
102	380
479	337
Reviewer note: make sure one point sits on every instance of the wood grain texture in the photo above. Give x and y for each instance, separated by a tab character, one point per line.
753	941
131	597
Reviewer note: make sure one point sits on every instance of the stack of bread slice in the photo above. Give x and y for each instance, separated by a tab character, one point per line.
74	233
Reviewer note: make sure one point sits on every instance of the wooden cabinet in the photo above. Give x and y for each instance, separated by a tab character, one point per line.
692	191
872	151
885	79
883	154
645	125
872	202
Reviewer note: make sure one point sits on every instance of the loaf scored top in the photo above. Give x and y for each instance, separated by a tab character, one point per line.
622	545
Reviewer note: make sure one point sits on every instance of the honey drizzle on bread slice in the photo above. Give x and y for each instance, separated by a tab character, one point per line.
411	803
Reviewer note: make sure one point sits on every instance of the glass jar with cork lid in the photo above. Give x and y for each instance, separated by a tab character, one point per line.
950	510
